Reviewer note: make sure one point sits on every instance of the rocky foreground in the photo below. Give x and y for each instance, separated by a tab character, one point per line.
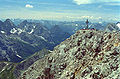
88	54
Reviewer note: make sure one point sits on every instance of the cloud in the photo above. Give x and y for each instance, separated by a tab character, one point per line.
28	6
79	2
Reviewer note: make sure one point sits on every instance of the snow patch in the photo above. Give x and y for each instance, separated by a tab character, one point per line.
2	31
34	27
18	56
25	26
100	22
76	24
13	30
31	31
43	38
2	70
50	51
19	31
118	25
91	25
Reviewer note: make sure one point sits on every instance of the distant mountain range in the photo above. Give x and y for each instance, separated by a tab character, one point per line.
30	44
19	42
68	26
89	54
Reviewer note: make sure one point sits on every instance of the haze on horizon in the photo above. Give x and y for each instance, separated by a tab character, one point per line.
61	9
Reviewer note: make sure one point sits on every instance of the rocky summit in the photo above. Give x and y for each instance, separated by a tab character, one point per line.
88	54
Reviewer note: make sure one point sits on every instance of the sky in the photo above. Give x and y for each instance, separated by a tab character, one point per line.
61	9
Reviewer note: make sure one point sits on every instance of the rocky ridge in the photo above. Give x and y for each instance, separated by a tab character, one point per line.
112	27
88	54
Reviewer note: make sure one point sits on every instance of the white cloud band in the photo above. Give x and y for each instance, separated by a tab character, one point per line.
79	2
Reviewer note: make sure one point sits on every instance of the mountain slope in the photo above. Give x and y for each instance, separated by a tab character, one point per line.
14	49
19	42
10	70
87	54
7	69
58	35
112	27
6	26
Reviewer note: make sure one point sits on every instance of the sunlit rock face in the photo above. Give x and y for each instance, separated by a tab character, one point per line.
88	54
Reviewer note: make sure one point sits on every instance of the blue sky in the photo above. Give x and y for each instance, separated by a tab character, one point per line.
61	9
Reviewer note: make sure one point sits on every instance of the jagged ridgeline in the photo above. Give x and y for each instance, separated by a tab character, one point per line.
21	41
87	54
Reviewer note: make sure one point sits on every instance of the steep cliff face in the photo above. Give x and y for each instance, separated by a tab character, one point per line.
88	54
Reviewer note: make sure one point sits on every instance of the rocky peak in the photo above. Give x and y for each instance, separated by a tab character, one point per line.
25	21
112	27
7	25
8	22
23	24
88	54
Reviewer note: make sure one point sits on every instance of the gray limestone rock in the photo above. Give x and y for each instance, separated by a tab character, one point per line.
88	54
